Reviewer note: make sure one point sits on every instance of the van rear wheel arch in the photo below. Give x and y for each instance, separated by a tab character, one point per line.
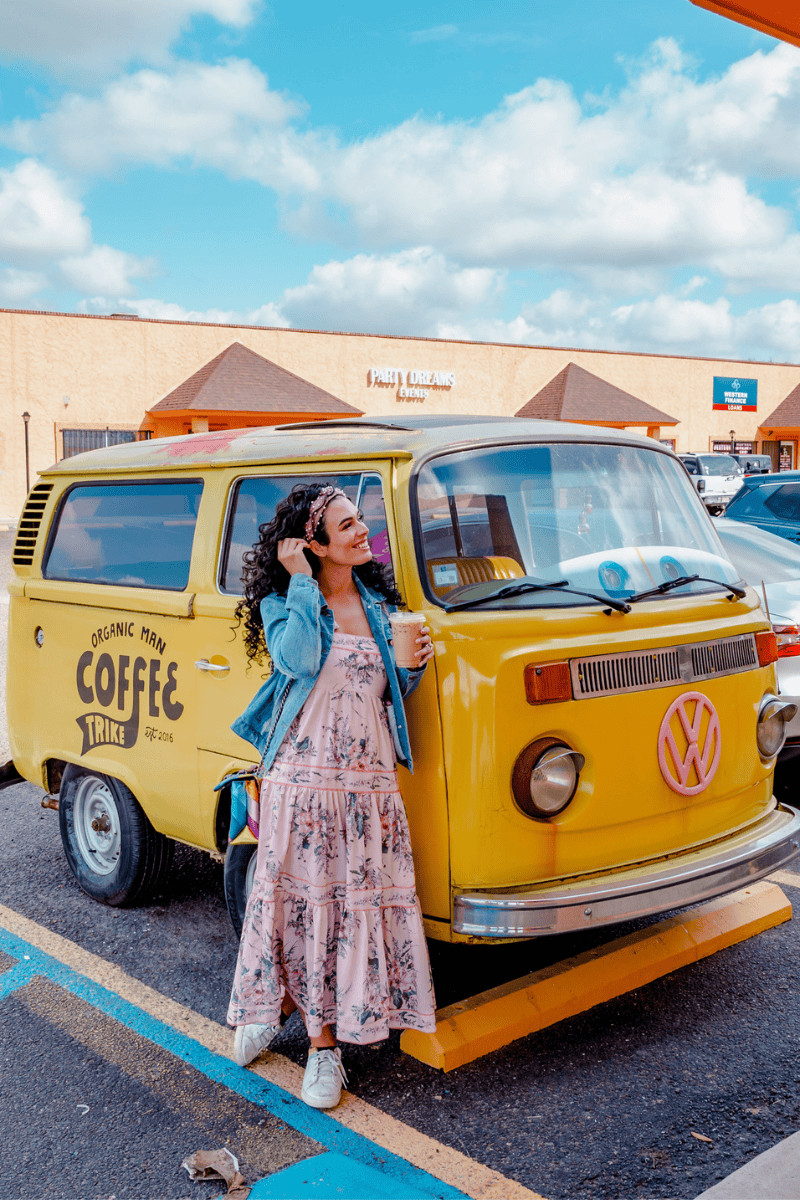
113	851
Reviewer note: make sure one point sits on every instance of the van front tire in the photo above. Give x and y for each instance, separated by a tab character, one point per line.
240	866
111	847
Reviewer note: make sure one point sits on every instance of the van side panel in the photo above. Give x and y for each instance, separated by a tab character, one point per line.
119	696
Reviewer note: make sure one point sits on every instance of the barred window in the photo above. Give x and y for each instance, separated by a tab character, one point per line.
76	441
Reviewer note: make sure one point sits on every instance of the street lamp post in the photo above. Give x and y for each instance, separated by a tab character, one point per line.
26	416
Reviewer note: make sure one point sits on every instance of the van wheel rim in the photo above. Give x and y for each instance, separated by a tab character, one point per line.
97	830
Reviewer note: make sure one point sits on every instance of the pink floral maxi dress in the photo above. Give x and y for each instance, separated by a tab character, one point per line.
333	918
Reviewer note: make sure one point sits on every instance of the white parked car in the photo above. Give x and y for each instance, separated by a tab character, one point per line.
717	478
771	565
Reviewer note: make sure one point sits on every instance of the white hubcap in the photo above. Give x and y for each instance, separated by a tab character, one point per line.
97	830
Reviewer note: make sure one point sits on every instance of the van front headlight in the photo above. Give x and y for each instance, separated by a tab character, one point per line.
773	716
546	777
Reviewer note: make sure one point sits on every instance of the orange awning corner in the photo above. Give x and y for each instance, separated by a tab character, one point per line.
778	18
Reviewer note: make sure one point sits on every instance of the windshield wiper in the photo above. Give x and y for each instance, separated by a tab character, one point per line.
522	589
737	592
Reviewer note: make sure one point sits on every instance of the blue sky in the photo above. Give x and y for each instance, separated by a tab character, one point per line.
621	175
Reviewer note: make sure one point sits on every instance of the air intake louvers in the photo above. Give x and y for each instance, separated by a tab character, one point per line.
29	522
613	674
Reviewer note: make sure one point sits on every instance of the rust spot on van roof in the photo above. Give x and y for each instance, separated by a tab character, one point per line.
199	443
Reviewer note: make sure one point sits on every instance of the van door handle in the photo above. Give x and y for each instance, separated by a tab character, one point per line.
217	664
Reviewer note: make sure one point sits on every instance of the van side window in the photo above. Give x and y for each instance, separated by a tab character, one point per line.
255	500
135	534
370	501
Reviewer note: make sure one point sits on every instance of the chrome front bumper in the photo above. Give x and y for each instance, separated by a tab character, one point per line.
638	892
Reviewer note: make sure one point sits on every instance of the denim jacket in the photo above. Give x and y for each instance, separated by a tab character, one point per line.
298	630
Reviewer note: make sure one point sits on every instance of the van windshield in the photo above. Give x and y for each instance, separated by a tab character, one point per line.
718	464
609	519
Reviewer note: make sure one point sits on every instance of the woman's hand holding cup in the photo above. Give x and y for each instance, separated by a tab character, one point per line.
291	556
424	651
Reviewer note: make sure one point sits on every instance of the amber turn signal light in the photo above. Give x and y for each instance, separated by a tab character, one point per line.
767	647
546	683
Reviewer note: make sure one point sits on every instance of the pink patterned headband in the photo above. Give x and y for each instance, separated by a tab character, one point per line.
317	510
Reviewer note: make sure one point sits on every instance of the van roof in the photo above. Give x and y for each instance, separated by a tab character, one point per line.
356	438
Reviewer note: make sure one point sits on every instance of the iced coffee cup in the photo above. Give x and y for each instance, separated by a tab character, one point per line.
406	628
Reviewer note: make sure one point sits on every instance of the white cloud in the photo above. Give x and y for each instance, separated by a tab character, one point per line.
45	237
105	270
667	324
539	182
16	287
161	310
268	314
649	180
39	218
211	115
682	324
100	35
414	291
614	194
408	292
436	33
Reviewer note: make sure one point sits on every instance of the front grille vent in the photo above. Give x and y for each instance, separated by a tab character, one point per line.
641	670
628	672
723	658
29	522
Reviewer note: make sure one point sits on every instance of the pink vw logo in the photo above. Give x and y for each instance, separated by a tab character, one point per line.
689	744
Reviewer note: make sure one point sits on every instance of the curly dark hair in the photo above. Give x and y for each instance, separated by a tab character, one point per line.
262	573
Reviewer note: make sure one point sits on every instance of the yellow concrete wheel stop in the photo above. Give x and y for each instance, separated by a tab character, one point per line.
474	1027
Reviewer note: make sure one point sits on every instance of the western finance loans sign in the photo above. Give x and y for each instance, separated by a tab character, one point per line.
735	394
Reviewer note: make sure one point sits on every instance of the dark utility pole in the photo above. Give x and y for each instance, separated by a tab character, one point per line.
26	416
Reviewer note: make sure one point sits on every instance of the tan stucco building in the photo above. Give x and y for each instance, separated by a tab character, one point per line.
79	376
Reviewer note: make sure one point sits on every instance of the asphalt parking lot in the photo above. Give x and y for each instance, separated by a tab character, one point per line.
608	1104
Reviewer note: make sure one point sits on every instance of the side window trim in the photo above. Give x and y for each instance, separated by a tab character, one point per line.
112	482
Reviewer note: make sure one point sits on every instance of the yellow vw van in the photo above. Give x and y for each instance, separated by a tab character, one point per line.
594	740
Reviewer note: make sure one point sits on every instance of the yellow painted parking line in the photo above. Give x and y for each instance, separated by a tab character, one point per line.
443	1162
475	1027
789	878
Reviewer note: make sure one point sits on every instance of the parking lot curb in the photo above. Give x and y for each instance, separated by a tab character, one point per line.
486	1022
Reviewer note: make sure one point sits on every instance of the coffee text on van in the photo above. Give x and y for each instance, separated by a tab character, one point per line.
107	679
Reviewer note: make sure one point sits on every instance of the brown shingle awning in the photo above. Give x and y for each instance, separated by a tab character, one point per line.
787	414
577	395
238	379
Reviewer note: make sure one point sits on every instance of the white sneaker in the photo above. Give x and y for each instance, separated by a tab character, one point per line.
322	1082
250	1040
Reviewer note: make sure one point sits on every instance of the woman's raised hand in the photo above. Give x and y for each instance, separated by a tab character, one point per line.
291	556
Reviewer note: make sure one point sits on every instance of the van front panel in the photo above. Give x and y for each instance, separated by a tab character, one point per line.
624	810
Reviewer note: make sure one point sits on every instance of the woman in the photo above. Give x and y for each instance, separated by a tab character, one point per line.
333	925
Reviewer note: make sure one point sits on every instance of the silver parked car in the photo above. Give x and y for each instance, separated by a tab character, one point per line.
771	565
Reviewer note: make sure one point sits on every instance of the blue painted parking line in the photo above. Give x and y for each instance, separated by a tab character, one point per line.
343	1143
332	1177
15	977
